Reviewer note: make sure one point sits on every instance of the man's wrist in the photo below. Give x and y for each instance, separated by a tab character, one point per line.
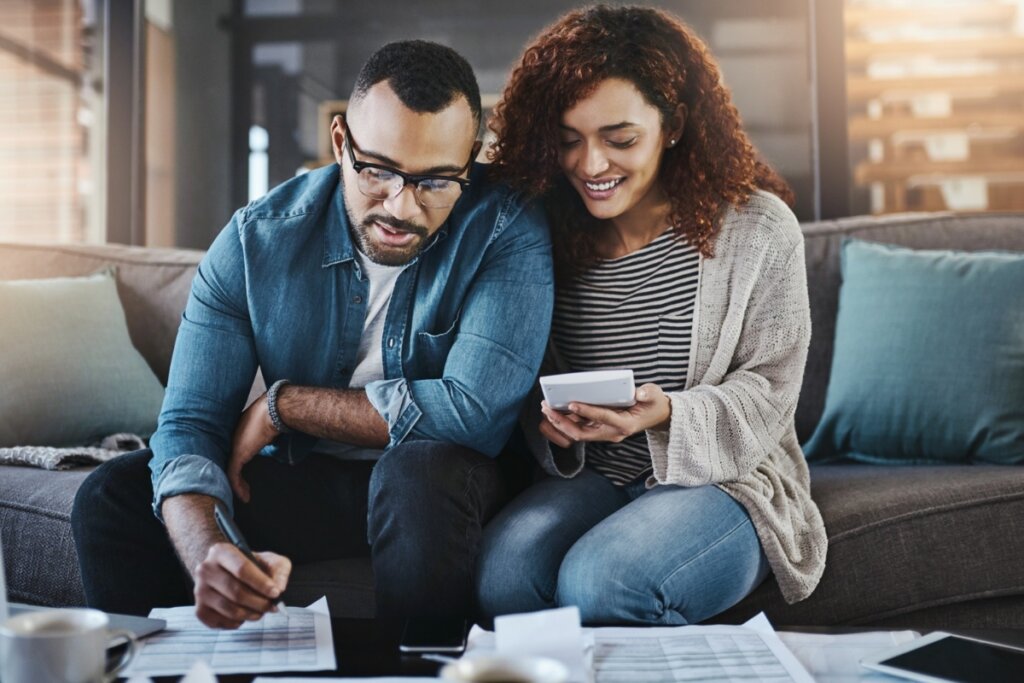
275	415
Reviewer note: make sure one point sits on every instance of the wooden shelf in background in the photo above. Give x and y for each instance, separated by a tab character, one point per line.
857	17
864	128
894	171
860	88
858	51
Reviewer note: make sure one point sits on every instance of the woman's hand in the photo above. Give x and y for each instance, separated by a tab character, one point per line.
585	422
254	431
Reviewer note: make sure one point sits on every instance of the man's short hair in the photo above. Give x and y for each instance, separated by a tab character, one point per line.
427	77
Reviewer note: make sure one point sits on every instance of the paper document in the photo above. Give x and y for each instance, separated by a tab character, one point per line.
719	654
554	633
836	658
297	641
693	653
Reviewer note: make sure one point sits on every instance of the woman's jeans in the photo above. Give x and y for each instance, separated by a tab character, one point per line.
623	555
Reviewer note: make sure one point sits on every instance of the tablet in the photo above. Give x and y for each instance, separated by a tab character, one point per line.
608	388
942	657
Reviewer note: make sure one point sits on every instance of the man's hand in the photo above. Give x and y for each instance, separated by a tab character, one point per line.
230	590
254	431
585	422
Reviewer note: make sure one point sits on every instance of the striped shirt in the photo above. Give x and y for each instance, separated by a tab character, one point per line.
633	312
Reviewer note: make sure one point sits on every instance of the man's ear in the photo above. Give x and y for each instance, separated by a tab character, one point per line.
338	137
476	151
674	130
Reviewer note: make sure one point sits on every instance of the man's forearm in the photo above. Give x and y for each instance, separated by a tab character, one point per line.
192	527
344	415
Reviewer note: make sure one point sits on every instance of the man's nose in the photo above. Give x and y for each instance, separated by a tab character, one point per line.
403	205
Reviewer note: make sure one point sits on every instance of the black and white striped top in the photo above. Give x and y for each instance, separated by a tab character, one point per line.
633	312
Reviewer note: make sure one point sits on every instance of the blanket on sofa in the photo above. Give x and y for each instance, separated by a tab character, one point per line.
49	458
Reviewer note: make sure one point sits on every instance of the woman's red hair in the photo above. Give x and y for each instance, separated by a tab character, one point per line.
712	166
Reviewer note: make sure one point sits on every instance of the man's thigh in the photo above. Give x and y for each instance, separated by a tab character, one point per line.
314	510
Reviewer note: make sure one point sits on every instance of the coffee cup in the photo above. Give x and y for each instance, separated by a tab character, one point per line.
61	646
505	669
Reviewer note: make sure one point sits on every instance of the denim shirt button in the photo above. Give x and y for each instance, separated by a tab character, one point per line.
357	299
391	342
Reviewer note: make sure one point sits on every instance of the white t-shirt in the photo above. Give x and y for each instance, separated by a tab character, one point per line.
370	358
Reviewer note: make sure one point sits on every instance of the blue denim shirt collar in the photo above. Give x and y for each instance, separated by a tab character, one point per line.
338	244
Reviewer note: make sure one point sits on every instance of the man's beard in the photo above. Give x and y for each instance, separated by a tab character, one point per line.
383	254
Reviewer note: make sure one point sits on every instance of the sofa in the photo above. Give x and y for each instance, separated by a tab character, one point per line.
910	546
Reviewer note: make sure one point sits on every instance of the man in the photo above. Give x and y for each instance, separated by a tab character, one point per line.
398	306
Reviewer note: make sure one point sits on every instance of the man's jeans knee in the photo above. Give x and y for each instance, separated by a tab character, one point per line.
427	506
127	561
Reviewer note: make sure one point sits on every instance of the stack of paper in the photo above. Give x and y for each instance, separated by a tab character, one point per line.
297	641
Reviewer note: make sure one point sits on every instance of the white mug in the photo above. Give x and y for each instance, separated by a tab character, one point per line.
495	668
60	646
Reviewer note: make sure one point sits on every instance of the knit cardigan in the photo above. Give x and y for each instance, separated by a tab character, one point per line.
733	425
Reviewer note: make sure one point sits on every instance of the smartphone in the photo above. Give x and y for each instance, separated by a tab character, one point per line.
422	634
943	657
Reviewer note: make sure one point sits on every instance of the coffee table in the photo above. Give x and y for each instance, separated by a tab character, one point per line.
369	647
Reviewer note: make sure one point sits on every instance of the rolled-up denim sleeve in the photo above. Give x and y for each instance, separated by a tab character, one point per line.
497	352
191	474
211	372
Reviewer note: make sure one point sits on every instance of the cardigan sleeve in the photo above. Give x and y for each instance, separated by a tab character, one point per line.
554	460
720	431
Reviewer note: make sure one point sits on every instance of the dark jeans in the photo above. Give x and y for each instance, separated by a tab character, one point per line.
417	512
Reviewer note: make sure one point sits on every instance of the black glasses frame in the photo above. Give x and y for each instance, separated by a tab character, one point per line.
407	178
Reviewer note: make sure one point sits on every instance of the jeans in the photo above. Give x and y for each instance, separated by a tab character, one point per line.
623	555
417	512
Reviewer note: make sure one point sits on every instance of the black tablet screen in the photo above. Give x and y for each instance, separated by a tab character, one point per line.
958	659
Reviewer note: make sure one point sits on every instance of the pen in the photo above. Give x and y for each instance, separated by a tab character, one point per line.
228	527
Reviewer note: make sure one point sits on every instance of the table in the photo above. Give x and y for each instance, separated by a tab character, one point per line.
369	647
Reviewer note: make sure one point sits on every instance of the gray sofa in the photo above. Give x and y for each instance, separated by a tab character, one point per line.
923	547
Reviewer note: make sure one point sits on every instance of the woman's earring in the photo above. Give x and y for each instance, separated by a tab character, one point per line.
672	143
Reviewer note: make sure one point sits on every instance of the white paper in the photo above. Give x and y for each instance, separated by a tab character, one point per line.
836	658
554	633
299	640
717	654
378	679
965	194
932	105
948	146
199	673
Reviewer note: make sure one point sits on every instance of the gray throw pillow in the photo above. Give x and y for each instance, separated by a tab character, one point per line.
68	371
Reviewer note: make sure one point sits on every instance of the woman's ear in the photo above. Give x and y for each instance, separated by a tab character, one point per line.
674	131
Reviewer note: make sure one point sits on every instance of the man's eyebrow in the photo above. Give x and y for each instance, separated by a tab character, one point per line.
604	129
388	161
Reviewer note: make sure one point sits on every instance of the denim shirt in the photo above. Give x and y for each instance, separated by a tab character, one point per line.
281	289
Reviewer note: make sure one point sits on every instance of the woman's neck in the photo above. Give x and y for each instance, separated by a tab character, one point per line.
636	228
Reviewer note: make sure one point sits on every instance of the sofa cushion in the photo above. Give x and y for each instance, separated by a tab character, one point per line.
70	373
903	540
39	551
928	361
822	241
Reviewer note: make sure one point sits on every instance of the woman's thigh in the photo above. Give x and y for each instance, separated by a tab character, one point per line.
524	544
672	556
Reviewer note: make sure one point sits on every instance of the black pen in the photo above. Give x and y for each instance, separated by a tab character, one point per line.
228	527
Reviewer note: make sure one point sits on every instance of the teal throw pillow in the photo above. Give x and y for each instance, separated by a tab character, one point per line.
928	365
69	374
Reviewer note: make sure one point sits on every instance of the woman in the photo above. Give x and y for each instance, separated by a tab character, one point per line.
676	258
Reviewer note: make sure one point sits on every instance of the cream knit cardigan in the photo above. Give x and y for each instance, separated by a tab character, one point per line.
733	425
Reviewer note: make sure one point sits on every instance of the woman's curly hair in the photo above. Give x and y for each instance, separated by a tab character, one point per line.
714	164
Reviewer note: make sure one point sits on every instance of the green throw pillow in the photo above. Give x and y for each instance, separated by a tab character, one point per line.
928	365
69	374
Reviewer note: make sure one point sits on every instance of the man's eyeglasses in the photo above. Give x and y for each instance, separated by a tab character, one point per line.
383	182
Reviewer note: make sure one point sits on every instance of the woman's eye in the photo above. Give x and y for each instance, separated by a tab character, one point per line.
569	143
623	144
